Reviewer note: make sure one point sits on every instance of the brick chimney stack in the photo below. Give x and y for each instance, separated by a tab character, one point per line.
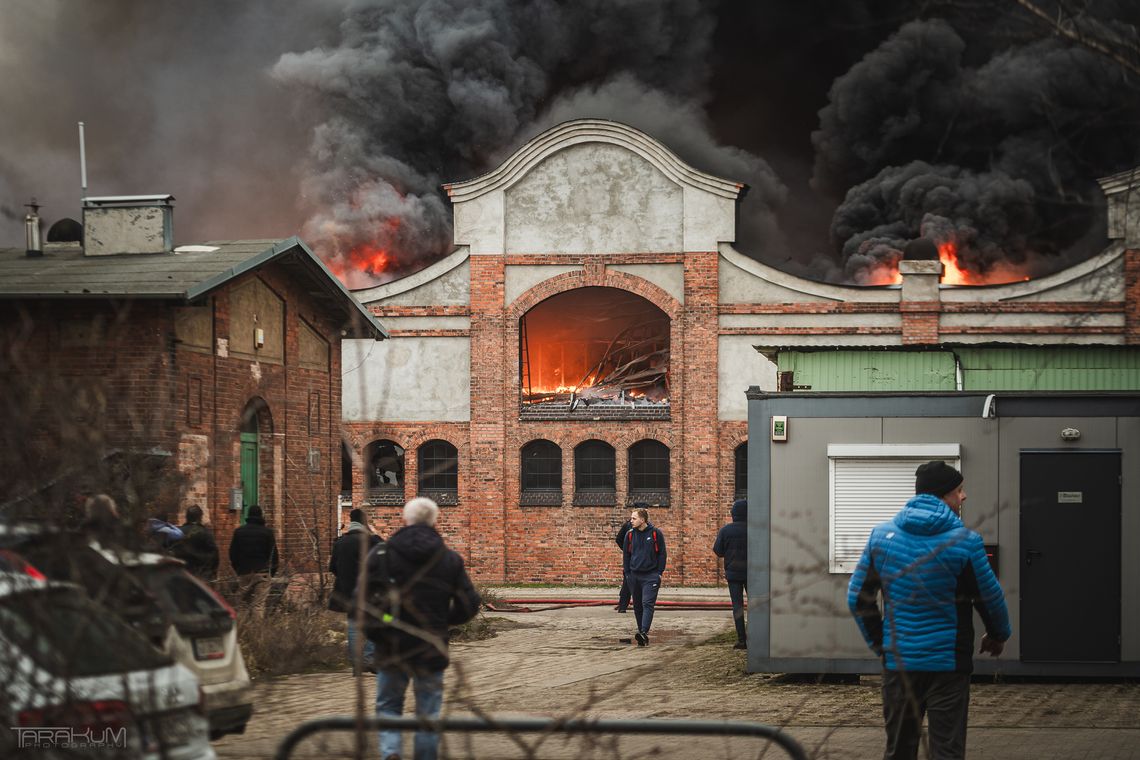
1122	194
920	304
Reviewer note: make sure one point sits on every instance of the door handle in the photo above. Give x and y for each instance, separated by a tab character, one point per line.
1031	553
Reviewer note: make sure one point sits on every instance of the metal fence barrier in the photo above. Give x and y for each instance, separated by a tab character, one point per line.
545	725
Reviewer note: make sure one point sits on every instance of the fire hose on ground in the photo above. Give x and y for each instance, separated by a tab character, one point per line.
519	604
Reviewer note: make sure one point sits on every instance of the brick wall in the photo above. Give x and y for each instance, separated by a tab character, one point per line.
1132	297
504	540
116	377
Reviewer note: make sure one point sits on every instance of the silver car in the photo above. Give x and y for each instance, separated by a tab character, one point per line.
202	635
75	680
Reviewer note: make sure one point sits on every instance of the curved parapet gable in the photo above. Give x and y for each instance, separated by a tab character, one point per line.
746	280
594	186
1100	278
447	282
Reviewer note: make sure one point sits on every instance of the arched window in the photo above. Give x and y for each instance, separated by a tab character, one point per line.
595	474
541	474
649	472
740	457
384	476
438	476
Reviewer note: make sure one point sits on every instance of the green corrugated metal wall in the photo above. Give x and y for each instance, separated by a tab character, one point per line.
1051	368
871	370
1067	368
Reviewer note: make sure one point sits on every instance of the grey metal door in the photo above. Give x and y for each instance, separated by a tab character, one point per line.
1070	556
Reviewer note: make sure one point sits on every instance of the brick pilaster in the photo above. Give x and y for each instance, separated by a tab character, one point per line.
491	362
1132	296
692	560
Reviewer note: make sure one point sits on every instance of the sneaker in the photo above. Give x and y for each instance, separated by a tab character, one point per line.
619	609
642	639
740	645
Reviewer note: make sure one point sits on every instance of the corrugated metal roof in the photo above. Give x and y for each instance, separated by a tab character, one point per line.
181	275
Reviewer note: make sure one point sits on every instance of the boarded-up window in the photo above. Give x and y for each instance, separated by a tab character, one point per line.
313	350
315	413
257	323
194	328
194	401
869	484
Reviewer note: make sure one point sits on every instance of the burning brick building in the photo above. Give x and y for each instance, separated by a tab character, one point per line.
589	343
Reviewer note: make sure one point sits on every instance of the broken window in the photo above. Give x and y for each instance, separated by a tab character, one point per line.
438	475
384	477
595	475
740	457
541	476
649	472
594	346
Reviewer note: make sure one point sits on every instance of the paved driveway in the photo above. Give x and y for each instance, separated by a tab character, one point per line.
571	662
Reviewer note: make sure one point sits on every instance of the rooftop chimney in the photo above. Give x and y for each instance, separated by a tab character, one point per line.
120	224
1122	191
919	302
32	231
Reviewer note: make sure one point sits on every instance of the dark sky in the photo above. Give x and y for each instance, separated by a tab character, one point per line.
857	124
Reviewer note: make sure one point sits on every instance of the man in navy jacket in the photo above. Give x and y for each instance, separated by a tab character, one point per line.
732	544
643	563
930	569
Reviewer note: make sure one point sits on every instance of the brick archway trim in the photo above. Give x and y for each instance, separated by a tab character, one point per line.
568	281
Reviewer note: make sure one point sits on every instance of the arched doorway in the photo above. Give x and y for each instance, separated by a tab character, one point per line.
256	421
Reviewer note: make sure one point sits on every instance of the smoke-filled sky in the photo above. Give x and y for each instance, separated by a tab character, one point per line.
858	125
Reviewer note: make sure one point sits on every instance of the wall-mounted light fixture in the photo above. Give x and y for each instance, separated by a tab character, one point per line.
1070	434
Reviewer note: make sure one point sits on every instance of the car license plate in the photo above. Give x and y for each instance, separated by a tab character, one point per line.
209	648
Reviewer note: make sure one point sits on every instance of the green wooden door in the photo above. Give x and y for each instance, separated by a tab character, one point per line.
249	452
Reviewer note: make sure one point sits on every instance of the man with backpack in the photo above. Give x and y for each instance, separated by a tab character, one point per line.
643	562
344	564
417	587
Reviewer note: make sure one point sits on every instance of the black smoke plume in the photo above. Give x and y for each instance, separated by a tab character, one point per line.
437	91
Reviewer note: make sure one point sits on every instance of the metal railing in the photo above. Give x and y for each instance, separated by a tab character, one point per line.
544	725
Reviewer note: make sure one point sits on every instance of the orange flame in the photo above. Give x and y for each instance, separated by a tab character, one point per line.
952	273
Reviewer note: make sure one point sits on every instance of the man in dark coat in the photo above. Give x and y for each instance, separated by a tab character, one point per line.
344	564
253	555
418	587
732	545
197	549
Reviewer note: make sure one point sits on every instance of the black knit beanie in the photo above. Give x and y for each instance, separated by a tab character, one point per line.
937	478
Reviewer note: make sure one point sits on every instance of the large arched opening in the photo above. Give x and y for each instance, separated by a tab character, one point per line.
597	346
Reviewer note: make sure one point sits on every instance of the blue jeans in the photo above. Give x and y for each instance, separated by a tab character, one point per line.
391	684
643	588
369	647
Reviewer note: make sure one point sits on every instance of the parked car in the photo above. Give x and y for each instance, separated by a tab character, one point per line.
176	612
202	635
79	682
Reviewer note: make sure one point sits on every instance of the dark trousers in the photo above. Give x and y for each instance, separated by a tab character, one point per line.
945	700
736	591
623	595
643	587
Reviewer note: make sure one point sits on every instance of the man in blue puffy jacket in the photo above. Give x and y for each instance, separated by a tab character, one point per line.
931	570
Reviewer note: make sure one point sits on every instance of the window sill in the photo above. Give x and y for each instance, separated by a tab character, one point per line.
442	498
540	499
652	498
595	498
385	497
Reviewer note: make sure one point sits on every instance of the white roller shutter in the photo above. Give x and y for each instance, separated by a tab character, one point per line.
869	484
